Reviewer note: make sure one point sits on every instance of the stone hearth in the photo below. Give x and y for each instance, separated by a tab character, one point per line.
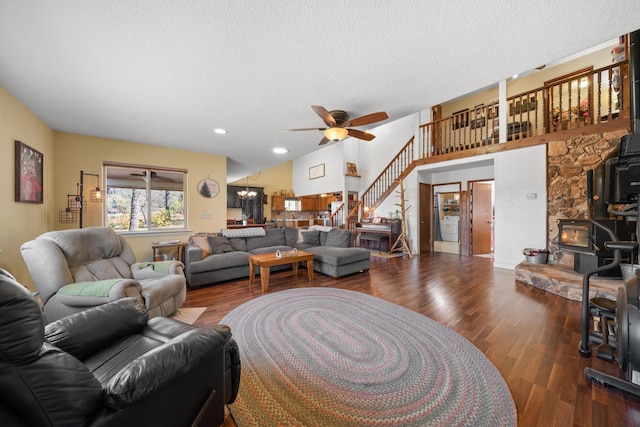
563	281
568	162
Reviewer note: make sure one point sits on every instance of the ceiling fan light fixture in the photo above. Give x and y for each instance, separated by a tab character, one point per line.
336	133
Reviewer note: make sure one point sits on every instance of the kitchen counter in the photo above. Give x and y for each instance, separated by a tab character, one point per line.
288	222
297	222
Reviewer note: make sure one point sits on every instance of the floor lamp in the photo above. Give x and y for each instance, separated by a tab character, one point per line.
77	203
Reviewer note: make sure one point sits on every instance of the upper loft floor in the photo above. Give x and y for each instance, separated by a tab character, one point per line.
586	94
590	89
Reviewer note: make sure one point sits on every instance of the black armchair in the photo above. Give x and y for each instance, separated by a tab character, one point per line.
110	366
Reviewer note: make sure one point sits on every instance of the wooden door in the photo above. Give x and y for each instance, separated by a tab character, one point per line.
481	218
464	223
426	217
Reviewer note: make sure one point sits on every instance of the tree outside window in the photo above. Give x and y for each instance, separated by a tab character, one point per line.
145	199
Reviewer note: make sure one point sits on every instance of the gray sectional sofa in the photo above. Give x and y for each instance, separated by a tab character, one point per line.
213	258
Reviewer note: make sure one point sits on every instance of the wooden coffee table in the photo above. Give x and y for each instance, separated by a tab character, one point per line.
265	261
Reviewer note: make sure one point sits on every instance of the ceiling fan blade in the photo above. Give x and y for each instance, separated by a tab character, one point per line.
324	140
360	135
295	130
365	120
324	115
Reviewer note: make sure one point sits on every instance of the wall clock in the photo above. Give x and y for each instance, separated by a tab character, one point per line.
208	188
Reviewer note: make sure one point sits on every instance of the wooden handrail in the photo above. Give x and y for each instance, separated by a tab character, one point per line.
559	105
384	184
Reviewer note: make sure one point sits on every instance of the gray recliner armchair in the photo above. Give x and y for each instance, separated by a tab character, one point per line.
74	270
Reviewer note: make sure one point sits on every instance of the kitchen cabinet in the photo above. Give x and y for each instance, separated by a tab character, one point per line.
450	204
233	201
324	203
277	203
309	203
253	207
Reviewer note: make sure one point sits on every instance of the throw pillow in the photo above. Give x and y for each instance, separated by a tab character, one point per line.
203	243
311	237
338	238
300	231
219	245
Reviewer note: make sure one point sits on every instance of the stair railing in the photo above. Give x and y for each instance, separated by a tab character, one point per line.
388	179
337	217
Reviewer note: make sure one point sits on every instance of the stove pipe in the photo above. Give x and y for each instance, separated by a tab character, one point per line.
634	77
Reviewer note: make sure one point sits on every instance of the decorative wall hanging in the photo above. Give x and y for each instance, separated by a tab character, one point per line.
208	188
316	171
352	169
28	174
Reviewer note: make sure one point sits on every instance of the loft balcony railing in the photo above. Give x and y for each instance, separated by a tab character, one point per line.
568	103
584	98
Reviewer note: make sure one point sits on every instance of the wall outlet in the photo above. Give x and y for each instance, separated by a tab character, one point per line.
206	215
532	195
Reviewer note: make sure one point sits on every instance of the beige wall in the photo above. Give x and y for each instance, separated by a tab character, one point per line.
65	155
80	152
272	179
20	222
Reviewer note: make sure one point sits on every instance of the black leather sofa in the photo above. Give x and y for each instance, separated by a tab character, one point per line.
110	366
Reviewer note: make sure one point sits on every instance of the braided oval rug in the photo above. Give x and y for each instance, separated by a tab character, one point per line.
327	357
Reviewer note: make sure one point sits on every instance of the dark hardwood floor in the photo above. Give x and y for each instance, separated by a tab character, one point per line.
531	336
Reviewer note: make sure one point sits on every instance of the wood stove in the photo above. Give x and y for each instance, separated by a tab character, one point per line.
586	241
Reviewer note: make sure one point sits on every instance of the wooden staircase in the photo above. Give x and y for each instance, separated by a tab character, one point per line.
397	169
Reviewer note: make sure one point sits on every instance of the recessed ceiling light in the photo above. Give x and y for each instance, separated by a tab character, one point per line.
220	131
280	150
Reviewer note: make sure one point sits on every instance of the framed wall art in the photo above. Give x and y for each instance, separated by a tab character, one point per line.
29	165
460	119
316	171
478	123
208	188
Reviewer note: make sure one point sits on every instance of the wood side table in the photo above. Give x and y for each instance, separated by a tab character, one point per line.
161	251
265	261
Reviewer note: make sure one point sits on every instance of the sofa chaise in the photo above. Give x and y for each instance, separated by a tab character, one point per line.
213	258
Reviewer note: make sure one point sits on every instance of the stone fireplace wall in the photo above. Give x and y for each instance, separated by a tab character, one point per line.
568	162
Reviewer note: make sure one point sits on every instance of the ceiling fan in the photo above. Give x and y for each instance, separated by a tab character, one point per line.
339	124
154	176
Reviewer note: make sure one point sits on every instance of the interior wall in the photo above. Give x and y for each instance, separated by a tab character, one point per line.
20	222
273	179
517	174
520	203
74	153
533	79
374	156
332	157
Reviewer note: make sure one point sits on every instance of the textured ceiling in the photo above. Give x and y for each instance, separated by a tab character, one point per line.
167	72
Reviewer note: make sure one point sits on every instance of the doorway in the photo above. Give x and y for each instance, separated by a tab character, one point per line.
446	209
482	218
